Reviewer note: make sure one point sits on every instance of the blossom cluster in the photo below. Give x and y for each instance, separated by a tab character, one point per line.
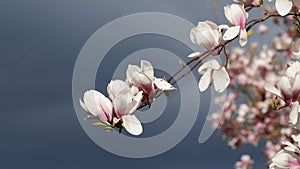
140	87
263	83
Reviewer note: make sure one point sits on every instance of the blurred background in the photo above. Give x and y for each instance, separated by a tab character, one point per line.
39	45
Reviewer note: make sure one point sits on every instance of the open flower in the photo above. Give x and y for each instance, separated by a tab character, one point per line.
143	78
237	16
118	112
215	73
245	163
289	91
287	157
206	34
125	102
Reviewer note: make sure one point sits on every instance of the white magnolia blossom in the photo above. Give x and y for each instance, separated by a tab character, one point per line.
143	78
296	48
283	7
206	34
237	16
289	157
214	73
288	89
125	101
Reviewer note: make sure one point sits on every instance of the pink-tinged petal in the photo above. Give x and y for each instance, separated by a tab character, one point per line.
231	33
296	88
205	80
162	84
294	114
147	68
238	15
243	37
132	124
98	105
131	72
195	54
221	79
283	7
116	87
212	64
272	89
281	159
285	87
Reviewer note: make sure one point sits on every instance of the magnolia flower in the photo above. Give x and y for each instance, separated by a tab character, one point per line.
287	157
237	16
262	28
289	91
118	112
283	7
215	73
125	102
245	162
143	78
296	48
206	34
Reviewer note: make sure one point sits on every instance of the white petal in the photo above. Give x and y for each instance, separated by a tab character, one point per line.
221	79
283	6
147	68
205	80
243	37
131	72
227	12
135	102
221	27
293	117
231	33
83	106
195	54
132	125
162	84
116	87
272	89
212	64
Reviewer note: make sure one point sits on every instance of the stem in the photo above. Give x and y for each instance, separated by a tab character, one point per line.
221	47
